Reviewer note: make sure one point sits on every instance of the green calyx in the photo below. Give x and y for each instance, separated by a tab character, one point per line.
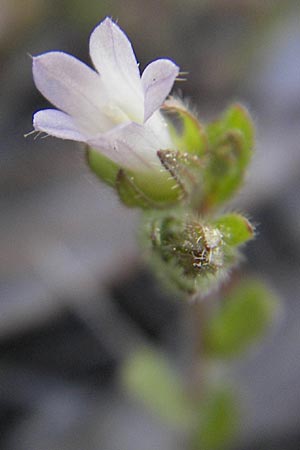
197	254
151	190
204	169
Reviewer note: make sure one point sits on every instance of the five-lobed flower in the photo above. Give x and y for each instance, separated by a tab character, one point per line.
114	110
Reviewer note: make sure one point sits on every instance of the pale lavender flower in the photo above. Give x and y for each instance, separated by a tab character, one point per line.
114	110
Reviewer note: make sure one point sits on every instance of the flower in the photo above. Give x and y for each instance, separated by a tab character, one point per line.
114	109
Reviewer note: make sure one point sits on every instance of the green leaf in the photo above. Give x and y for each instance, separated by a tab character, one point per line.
192	138
235	118
218	421
242	319
231	142
236	229
102	166
224	174
147	376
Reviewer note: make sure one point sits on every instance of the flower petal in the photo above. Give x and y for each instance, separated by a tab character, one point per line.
157	79
58	124
114	58
159	126
132	146
112	52
73	87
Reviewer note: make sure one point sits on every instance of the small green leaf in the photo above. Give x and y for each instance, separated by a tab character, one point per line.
224	173
242	319
238	118
102	166
192	137
218	421
231	142
236	229
147	376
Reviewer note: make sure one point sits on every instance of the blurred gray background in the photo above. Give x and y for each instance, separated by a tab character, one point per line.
75	298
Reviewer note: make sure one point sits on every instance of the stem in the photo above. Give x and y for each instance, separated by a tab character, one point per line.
199	313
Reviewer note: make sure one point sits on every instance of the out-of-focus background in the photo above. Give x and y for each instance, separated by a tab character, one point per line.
75	298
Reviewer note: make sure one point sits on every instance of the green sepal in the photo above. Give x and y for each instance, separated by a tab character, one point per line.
143	190
235	228
147	191
186	169
191	138
218	420
147	376
176	281
242	319
129	193
102	166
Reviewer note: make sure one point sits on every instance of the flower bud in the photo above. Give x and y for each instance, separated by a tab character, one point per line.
197	254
